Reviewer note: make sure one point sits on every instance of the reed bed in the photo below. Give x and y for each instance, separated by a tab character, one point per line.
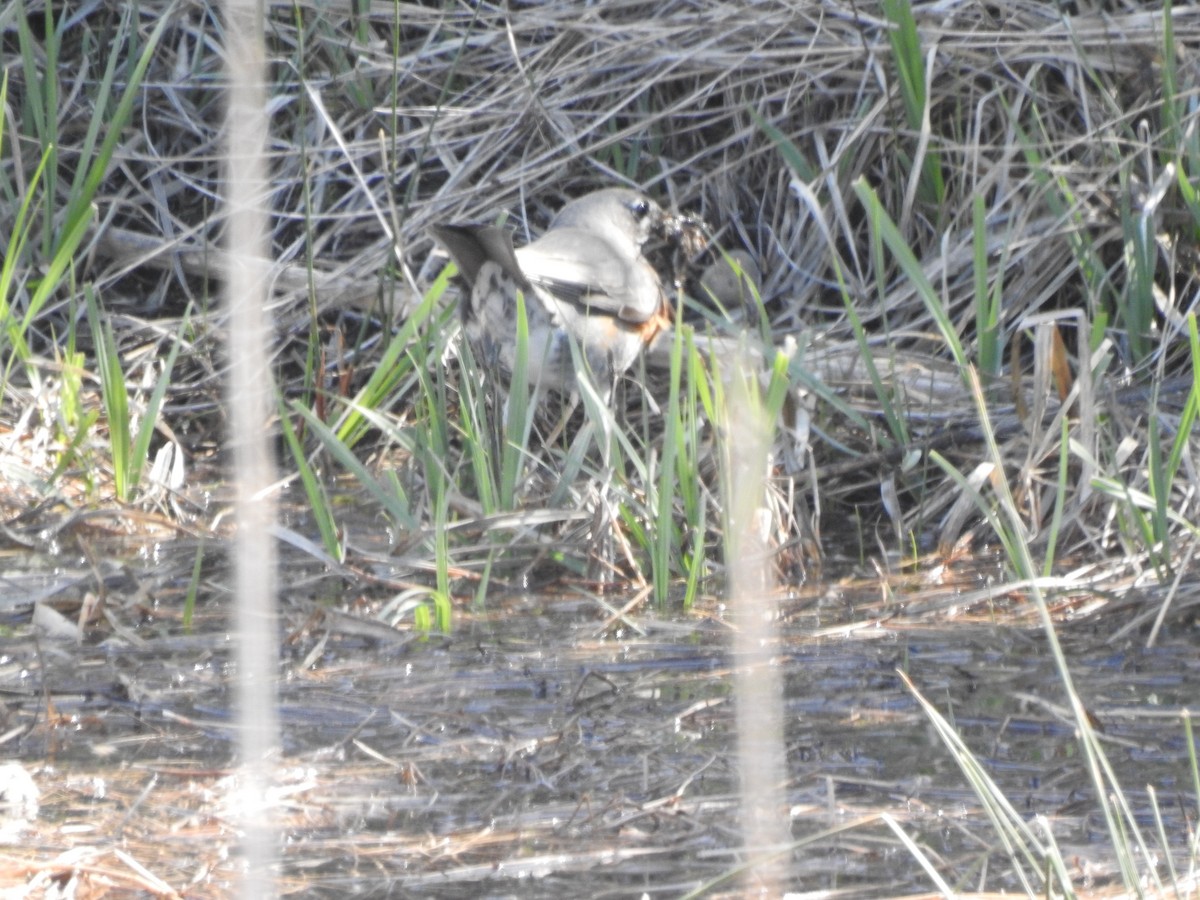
975	338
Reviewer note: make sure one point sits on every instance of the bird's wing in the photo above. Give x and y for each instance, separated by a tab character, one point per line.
576	266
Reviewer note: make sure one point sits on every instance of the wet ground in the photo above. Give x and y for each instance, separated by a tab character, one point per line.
543	749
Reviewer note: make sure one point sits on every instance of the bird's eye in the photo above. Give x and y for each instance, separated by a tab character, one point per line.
640	208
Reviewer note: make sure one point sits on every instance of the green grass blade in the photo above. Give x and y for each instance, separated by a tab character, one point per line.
314	490
883	225
113	392
518	416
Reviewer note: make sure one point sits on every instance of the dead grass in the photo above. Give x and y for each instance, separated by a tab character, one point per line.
544	752
568	755
1057	125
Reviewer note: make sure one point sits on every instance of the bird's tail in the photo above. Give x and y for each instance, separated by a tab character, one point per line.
470	246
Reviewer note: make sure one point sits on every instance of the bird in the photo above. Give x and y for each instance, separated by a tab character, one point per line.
585	281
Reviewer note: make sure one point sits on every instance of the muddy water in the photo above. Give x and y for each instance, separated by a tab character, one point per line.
541	751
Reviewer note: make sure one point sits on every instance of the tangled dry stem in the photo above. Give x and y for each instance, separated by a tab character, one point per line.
415	114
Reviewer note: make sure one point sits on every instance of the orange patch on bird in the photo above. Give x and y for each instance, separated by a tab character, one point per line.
660	321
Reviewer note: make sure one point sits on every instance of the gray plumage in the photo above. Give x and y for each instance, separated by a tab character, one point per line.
585	280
